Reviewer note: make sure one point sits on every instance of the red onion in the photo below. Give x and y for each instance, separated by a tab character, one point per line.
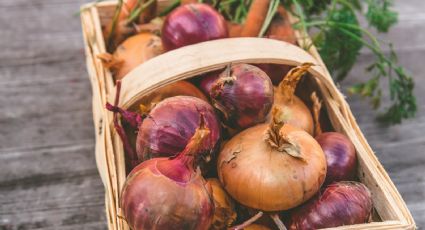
168	193
341	203
274	71
192	23
340	156
244	95
171	123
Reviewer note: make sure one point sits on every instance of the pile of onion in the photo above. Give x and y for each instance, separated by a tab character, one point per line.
171	123
272	167
294	111
341	203
192	23
164	193
242	93
132	52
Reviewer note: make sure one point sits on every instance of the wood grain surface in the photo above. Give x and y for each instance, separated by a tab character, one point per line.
48	175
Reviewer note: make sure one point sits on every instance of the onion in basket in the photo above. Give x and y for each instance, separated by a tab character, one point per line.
170	193
295	112
341	203
272	167
340	156
132	52
192	23
171	123
242	93
224	212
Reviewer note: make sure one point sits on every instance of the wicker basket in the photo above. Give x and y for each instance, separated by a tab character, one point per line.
183	63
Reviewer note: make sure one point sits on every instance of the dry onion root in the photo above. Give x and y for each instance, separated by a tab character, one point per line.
294	111
272	167
132	52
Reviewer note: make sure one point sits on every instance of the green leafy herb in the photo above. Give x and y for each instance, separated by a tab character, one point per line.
379	14
339	38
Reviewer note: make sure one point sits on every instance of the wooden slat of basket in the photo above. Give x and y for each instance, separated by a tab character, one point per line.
104	158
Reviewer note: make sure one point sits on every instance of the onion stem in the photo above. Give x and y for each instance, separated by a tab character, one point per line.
248	222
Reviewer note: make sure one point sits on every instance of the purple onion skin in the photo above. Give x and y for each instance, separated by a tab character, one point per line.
341	157
341	203
244	95
191	24
171	123
207	81
164	193
274	71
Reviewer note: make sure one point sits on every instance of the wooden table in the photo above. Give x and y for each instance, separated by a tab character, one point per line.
48	175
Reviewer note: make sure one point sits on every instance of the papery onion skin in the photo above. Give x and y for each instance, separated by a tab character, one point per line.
341	203
260	176
244	95
134	51
171	123
340	157
224	212
164	193
294	111
192	23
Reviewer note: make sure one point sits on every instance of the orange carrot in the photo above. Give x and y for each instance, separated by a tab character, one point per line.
281	28
255	18
183	2
234	29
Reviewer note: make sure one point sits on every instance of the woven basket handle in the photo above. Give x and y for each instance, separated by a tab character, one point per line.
196	59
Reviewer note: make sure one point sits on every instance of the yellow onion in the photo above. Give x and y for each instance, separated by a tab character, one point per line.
224	212
272	167
132	52
169	193
294	111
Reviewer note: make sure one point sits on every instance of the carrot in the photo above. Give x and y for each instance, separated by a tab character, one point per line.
121	27
255	18
234	29
184	2
281	28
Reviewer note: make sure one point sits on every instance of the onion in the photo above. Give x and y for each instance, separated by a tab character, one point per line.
243	94
272	167
295	112
224	212
341	203
340	156
274	71
131	53
168	193
132	118
170	125
180	88
122	27
192	23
